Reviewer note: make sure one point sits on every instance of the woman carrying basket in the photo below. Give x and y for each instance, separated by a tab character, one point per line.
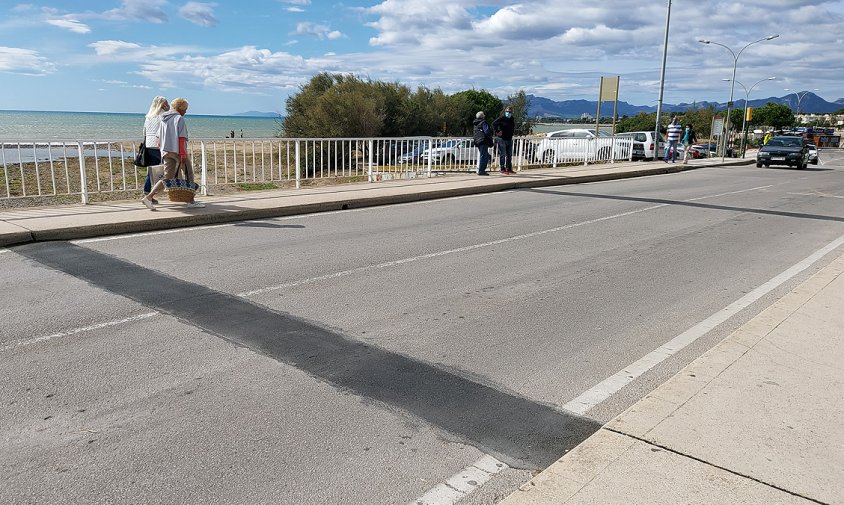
173	138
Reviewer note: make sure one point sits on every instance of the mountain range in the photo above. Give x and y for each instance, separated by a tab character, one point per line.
547	108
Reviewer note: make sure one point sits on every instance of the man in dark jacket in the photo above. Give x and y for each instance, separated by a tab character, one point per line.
504	127
483	141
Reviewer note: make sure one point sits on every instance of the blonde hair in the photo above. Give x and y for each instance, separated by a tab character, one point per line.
179	104
159	105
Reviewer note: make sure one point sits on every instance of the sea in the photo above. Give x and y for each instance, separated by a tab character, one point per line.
29	126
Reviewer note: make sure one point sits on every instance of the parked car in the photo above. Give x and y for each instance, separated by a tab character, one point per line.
573	145
644	146
415	153
784	150
711	150
813	153
695	151
451	151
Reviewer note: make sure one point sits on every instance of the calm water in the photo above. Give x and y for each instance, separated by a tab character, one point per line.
27	126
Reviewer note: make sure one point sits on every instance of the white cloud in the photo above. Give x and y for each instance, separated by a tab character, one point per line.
321	32
73	25
139	10
119	50
15	60
199	13
295	9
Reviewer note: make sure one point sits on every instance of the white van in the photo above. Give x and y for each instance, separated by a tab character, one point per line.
644	147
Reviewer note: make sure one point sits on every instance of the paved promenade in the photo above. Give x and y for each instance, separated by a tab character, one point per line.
757	419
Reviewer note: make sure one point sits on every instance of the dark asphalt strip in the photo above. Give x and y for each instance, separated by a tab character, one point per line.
520	432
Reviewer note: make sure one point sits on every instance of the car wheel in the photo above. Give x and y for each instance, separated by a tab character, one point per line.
814	162
758	165
450	159
767	165
549	156
604	153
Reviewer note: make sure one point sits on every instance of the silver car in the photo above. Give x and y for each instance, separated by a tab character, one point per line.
813	153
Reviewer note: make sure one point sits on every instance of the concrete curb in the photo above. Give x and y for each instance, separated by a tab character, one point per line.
590	463
418	193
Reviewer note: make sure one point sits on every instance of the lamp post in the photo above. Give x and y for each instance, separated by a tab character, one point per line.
746	99
799	99
661	82
733	80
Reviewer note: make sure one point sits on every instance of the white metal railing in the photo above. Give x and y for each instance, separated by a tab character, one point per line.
98	168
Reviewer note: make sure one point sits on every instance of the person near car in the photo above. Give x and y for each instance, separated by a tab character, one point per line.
173	135
504	127
768	136
675	129
482	135
689	138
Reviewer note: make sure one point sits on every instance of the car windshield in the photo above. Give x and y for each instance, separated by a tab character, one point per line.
785	142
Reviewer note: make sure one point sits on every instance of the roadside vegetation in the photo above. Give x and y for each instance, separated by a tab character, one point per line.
344	105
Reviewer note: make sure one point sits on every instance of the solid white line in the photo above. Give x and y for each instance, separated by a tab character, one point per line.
446	252
462	483
438	254
614	383
107	324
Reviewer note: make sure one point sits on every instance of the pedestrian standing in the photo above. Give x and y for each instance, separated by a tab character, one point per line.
483	141
689	138
504	127
675	129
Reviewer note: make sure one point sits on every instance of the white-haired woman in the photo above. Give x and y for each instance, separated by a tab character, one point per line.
152	123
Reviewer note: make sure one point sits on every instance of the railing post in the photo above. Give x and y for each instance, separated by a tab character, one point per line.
370	160
203	177
83	178
298	175
586	152
430	151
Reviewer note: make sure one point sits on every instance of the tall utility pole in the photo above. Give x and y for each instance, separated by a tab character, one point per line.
662	81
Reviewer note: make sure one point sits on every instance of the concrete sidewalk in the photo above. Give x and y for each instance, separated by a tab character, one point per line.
757	419
70	222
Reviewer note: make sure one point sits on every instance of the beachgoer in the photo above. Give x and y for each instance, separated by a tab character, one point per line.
151	124
483	141
173	135
504	128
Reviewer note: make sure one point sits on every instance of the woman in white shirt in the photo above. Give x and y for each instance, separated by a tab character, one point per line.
151	140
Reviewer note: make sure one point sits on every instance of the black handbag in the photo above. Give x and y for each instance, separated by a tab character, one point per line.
147	156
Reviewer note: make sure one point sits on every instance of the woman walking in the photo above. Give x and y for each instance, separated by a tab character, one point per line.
151	140
173	138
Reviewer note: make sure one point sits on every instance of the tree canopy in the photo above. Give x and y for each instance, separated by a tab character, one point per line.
344	105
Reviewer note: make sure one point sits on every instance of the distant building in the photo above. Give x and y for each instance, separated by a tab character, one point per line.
586	117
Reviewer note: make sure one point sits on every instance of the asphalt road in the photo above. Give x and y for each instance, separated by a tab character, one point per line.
370	355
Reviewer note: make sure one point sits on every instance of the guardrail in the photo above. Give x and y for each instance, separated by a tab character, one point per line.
68	171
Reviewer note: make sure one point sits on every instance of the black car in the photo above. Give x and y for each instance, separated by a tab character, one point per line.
784	150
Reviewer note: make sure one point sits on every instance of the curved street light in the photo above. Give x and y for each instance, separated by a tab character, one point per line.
799	98
746	99
733	80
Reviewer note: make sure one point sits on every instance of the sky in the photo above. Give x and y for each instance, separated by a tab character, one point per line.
228	57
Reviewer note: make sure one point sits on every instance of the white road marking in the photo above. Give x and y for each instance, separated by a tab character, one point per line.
444	253
614	383
473	247
4	251
107	324
462	483
817	193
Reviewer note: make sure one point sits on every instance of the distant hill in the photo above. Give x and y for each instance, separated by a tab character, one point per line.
255	113
568	109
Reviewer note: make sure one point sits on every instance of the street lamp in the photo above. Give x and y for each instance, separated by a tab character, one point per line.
657	135
733	80
799	99
744	120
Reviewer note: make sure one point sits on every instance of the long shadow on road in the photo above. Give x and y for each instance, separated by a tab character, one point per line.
518	431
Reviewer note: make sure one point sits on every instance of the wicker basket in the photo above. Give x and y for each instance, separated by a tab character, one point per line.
179	190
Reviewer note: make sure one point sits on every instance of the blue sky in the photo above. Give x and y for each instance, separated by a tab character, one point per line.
227	57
